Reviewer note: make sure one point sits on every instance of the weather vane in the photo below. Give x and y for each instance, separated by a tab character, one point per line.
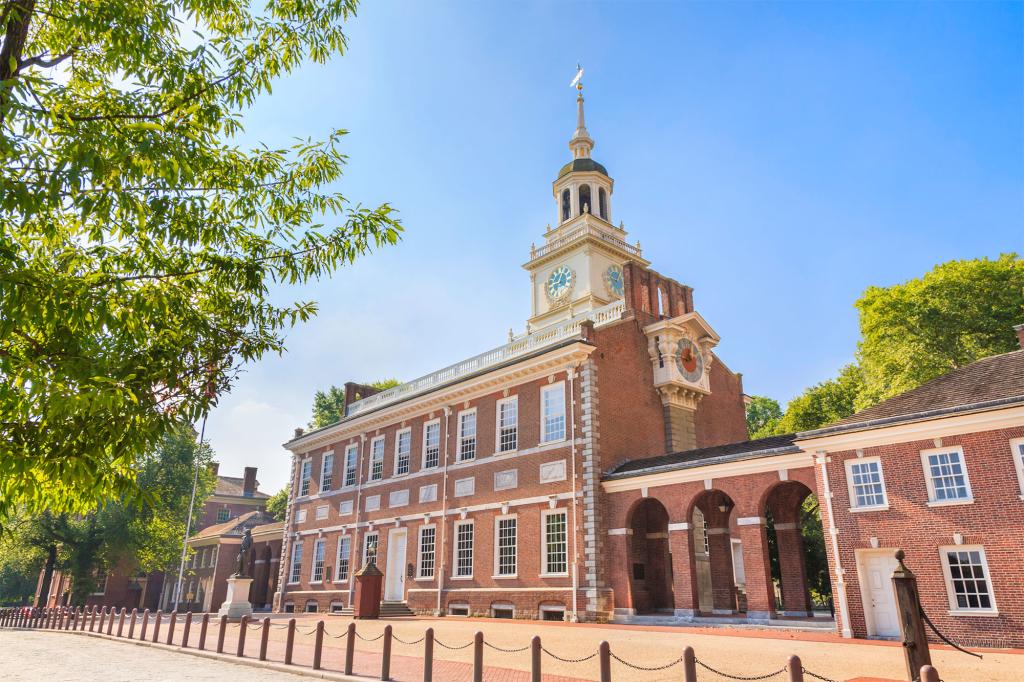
576	79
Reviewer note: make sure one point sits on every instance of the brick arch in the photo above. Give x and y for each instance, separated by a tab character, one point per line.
783	503
649	558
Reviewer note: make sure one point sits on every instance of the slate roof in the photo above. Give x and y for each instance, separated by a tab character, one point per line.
715	454
234	486
987	383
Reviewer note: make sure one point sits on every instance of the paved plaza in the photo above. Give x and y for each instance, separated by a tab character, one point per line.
32	655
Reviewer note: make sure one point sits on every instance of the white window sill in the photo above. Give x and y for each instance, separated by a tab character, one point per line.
950	503
984	613
552	443
397	506
462	577
339	582
876	507
316	582
511	576
424	579
296	582
555	575
506	453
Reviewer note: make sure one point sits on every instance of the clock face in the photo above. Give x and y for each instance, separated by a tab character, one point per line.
613	281
689	360
560	283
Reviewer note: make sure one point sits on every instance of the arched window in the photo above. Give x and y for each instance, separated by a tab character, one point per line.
586	206
602	199
565	205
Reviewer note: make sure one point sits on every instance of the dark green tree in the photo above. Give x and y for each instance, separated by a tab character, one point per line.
329	405
763	415
277	505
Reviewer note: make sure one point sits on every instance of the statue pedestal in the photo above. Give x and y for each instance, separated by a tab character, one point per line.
236	604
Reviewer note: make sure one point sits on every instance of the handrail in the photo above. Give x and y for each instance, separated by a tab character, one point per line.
578	232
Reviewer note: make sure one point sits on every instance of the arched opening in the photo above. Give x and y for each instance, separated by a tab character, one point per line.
796	550
602	203
566	205
718	557
585	203
650	563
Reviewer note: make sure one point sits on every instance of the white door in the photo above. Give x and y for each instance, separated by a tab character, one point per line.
394	574
875	569
739	575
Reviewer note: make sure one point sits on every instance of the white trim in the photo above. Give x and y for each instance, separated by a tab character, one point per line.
319	543
326	471
1017	448
383	447
620	531
423	449
376	547
510	400
851	490
419	552
751	521
398	439
926	469
683	525
772	464
497	569
351	447
455	550
544	514
954	609
337	558
460	436
551	388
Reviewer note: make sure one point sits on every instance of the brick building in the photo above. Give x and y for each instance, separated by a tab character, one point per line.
597	467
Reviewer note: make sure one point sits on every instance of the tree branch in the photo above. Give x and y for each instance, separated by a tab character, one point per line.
39	60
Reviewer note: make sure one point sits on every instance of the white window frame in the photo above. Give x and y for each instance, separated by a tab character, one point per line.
342	541
398	453
305	476
350	504
926	468
463	438
351	469
319	555
1017	447
375	506
394	498
954	608
498	575
558	386
851	488
295	566
300	516
366	546
544	543
432	497
420	575
426	425
327	471
514	401
322	511
375	460
455	550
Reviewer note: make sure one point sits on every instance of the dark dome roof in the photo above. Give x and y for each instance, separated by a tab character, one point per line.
577	165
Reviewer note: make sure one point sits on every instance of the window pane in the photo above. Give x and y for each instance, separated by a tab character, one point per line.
432	445
553	404
467	436
326	473
377	460
506	546
556	559
306	474
404	452
344	557
464	549
867	484
351	456
370	548
967	576
947	476
427	548
508	423
296	569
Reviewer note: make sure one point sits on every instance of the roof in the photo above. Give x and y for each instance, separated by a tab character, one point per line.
234	486
715	454
987	383
236	526
582	165
276	527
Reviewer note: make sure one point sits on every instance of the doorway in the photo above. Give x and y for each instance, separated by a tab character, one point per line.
875	568
394	573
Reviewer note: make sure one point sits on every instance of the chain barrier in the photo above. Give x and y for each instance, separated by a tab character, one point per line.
818	677
255	626
402	641
453	648
311	631
282	626
374	639
645	668
941	636
507	651
568	660
738	677
341	636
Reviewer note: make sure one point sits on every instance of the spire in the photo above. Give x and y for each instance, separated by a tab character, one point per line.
581	142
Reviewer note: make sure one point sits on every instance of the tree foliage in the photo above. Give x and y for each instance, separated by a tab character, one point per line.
823	403
957	313
138	241
763	415
277	505
329	405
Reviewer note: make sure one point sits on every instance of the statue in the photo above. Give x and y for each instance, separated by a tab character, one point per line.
243	555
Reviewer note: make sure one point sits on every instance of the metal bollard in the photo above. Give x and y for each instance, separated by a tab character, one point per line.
535	675
220	635
478	657
186	629
156	625
689	665
145	624
290	642
318	646
103	618
350	648
110	625
604	655
243	627
264	638
120	622
795	669
131	625
202	631
170	627
92	618
385	665
929	674
428	655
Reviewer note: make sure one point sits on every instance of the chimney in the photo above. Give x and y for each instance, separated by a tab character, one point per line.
249	484
1020	334
214	468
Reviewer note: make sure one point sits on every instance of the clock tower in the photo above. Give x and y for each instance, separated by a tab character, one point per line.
579	266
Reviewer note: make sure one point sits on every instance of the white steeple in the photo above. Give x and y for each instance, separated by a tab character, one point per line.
581	142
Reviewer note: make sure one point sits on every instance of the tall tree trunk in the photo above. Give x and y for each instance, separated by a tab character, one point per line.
44	589
17	14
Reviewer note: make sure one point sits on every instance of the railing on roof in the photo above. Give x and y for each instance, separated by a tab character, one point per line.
523	346
579	232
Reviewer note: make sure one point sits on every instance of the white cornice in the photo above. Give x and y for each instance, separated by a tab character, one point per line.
794	460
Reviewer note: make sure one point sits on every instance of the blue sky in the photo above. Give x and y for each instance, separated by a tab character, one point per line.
779	158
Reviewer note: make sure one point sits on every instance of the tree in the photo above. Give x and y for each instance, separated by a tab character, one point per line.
763	415
956	313
138	241
823	403
277	505
329	405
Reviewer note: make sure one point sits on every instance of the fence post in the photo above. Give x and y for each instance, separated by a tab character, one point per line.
929	674
264	638
350	648
170	626
3	617
103	618
290	642
385	665
478	657
535	675
795	669
243	626
120	621
110	623
604	655
689	665
202	631
908	603
131	625
318	645
220	635
145	624
428	655
92	618
185	631
156	625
